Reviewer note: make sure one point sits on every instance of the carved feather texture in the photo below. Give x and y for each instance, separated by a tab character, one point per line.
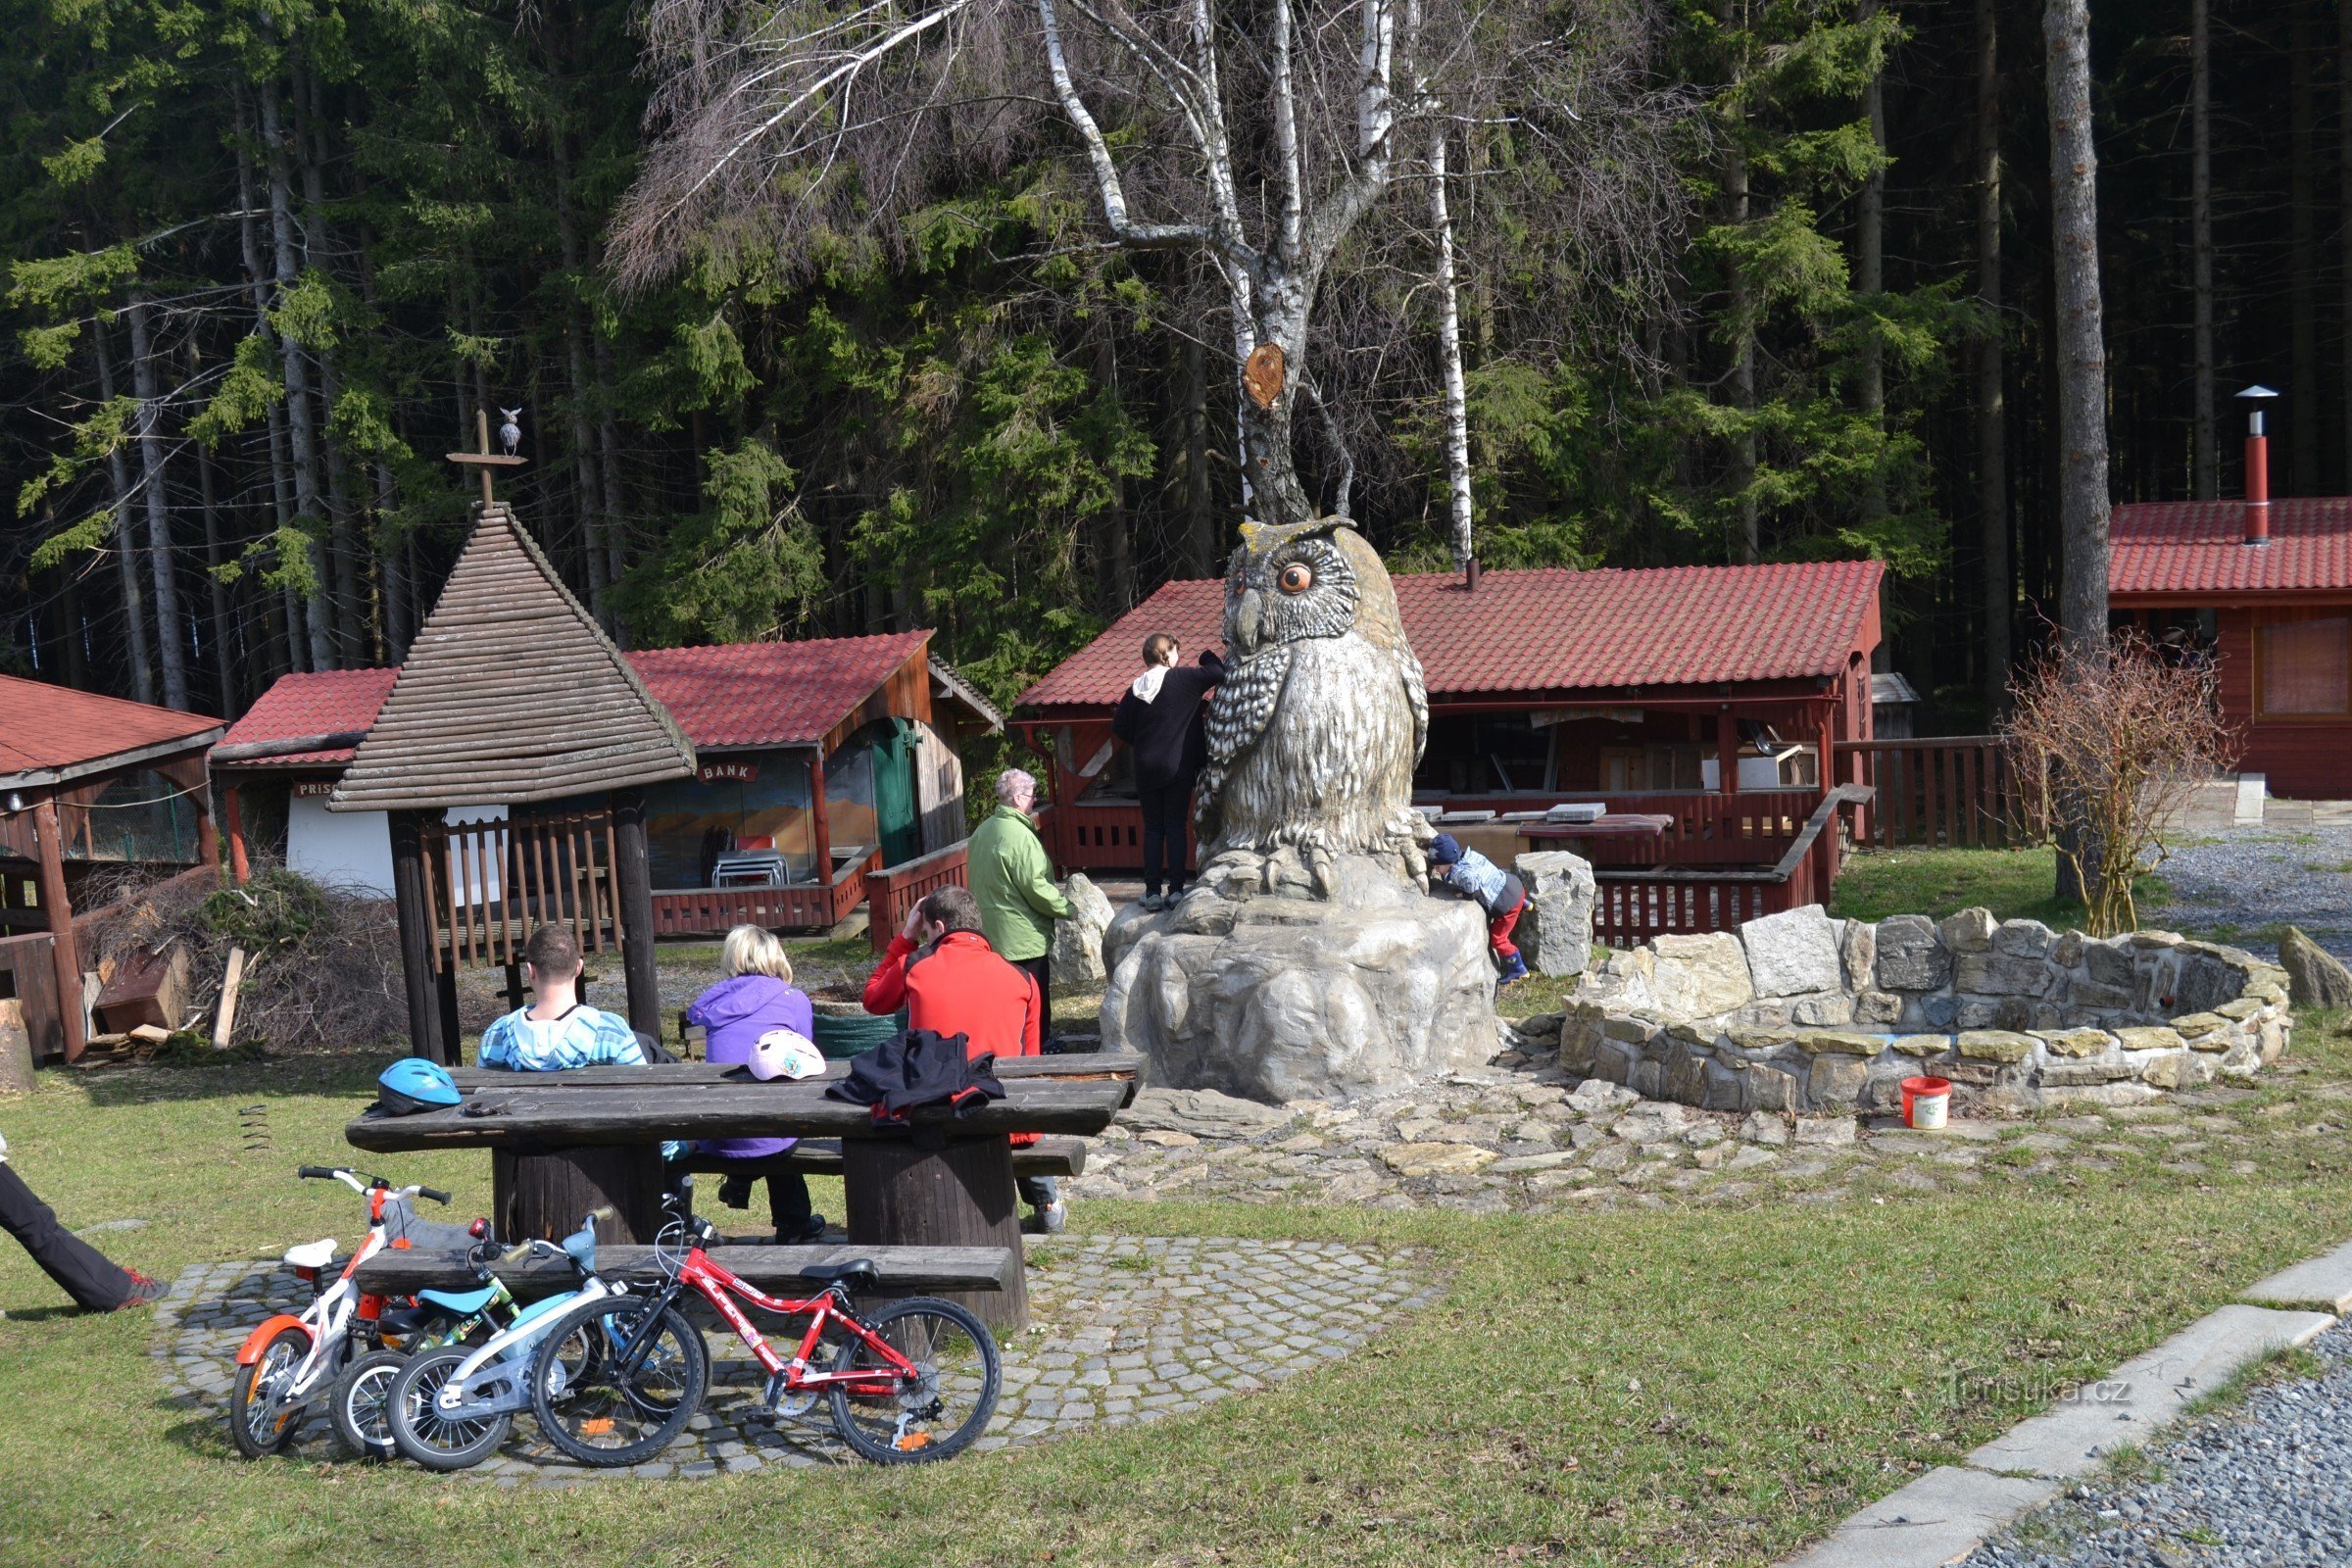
1238	709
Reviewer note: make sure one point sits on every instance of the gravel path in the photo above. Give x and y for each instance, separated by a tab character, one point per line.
2240	885
2265	1485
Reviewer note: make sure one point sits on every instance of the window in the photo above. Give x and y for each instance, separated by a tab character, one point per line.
2303	668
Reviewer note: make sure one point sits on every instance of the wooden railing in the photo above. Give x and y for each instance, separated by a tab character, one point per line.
891	891
794	907
1632	905
490	884
1952	790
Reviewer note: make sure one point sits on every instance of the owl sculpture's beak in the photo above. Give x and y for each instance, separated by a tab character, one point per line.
1246	621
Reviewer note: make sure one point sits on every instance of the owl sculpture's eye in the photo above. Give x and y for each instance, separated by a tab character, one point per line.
1297	578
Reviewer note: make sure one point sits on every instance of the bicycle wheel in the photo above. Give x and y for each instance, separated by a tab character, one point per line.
891	1418
257	1423
424	1433
607	1401
357	1405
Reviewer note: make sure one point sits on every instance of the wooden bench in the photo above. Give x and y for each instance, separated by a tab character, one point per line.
900	1270
1053	1155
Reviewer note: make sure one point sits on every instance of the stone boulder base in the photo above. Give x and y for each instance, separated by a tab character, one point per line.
1556	932
2314	977
1794	953
1077	951
1276	999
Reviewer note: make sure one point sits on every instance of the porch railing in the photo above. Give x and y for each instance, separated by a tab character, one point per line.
490	884
1631	904
1950	791
891	891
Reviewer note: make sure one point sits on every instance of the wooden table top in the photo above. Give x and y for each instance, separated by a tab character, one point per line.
533	1110
1119	1067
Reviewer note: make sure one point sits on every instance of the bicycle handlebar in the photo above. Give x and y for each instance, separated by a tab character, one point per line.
433	1192
359	1181
314	1173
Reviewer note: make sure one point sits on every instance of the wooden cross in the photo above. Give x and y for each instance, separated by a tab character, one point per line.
485	459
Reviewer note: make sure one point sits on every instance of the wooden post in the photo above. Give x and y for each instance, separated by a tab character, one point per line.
240	870
545	1194
962	1196
1726	752
58	908
635	883
822	830
417	937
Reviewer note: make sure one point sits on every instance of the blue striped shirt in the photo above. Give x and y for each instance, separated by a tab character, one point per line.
584	1037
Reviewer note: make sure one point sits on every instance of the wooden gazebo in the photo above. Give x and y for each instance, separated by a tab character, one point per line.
513	700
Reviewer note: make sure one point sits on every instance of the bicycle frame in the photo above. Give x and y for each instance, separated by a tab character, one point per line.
720	1285
501	1364
329	1317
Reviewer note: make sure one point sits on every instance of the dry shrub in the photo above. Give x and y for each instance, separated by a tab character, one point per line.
2105	754
322	965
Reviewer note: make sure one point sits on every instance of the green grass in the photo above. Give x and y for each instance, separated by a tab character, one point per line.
2013	884
1697	1384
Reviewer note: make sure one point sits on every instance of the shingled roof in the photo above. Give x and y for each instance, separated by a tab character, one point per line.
49	732
2200	548
511	693
1550	632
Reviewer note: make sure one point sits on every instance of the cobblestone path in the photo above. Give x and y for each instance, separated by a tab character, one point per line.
1124	1328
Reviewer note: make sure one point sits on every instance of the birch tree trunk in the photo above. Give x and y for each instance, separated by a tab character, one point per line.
281	467
2082	502
309	510
1449	344
215	592
127	550
170	634
2205	450
1870	267
1992	413
2079	344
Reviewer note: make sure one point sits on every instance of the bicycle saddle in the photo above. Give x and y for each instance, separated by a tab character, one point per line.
462	1303
311	1255
859	1273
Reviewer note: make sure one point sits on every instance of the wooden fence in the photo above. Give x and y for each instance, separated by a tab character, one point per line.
794	907
894	890
1631	904
1952	790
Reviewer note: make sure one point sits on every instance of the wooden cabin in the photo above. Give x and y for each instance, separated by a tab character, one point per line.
91	787
816	763
1713	695
2271	601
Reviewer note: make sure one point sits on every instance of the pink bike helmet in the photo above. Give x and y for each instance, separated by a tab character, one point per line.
785	1054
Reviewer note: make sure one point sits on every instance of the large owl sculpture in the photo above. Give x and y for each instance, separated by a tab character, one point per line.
1314	733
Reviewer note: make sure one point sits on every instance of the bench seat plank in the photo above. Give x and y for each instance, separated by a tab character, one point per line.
821	1156
526	1115
403	1271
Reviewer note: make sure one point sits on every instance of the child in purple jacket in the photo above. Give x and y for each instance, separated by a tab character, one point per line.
758	995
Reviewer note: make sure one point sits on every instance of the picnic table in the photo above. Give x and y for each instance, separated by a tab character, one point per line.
563	1143
1615	838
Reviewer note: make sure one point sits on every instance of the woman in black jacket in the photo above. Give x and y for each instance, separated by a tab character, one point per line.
1160	720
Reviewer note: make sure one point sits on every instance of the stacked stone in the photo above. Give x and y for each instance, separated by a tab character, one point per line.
1799	1012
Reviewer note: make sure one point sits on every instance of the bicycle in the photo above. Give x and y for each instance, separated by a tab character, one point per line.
286	1362
617	1380
449	1408
360	1405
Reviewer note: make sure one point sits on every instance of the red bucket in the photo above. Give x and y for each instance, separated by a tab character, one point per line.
1927	1101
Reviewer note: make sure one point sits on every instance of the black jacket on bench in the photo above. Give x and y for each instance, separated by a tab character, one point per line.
919	1067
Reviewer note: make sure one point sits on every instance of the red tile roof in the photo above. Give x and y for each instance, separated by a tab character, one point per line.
1552	630
741	694
2197	547
772	694
327	702
45	728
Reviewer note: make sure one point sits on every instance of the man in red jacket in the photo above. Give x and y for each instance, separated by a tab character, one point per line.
941	970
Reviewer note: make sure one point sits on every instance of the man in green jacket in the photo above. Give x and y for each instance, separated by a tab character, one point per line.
1013	882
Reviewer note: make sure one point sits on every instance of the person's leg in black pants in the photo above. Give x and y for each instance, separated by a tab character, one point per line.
1154	801
1041	970
81	1269
788	1208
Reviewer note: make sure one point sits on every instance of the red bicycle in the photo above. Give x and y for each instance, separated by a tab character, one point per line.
616	1380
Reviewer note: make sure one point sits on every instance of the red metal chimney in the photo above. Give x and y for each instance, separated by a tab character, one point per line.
2257	466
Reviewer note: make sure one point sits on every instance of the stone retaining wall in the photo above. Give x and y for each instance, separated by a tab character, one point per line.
1800	1012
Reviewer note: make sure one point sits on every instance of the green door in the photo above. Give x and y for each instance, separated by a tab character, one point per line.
896	818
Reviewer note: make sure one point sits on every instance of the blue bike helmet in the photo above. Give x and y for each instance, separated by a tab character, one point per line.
413	1083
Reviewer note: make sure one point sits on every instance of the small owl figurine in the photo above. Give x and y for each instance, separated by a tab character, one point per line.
1314	733
510	433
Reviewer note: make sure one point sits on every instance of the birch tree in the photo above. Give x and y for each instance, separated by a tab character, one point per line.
1254	138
